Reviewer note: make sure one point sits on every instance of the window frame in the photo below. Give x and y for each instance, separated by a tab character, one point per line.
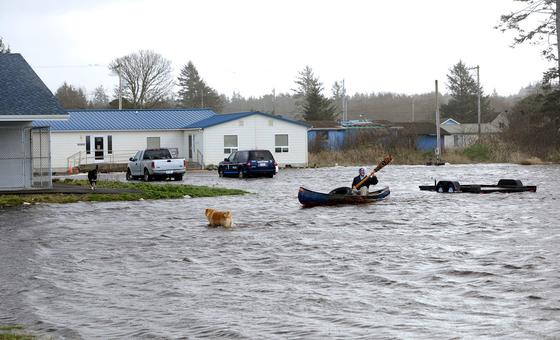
109	144
280	147
228	149
88	145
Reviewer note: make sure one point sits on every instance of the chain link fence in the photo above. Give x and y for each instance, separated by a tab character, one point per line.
25	157
41	157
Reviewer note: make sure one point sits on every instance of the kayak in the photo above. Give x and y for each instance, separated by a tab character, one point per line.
342	195
503	186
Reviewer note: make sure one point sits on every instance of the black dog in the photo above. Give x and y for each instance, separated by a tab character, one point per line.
92	177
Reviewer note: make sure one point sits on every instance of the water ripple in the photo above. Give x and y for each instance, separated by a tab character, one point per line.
419	265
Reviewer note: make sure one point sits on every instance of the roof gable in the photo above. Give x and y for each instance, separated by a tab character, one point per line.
119	120
22	92
450	121
228	117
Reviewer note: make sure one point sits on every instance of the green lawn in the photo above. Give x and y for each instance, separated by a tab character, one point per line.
145	191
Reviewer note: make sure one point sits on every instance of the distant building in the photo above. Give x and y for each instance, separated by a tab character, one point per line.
25	149
419	135
199	135
463	135
329	135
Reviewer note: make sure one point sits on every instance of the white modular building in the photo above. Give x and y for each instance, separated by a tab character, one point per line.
200	136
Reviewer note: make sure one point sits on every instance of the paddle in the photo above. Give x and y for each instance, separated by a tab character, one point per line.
379	166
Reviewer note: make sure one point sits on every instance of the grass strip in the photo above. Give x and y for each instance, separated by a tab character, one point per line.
145	191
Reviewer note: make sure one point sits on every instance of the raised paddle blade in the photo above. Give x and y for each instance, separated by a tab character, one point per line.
388	159
379	166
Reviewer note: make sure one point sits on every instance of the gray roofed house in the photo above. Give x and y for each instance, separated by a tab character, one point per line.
463	135
24	150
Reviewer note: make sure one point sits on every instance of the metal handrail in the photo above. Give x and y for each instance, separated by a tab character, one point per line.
115	157
200	158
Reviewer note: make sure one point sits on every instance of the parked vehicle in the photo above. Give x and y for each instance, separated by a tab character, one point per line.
247	163
155	163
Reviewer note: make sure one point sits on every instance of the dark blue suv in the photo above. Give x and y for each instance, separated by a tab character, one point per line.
247	163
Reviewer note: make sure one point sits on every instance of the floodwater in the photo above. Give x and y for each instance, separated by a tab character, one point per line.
418	265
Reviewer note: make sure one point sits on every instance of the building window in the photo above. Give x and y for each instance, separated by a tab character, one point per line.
109	144
230	144
152	142
280	143
88	145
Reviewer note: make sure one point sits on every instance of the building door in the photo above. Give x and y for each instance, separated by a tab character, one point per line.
190	146
98	148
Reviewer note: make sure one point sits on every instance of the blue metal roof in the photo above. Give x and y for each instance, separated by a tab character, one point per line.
223	118
22	92
116	120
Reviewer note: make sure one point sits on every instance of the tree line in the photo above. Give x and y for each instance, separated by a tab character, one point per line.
148	82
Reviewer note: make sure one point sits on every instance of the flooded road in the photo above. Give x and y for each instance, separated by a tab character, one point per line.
417	265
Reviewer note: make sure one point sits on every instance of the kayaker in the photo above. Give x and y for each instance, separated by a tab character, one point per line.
363	189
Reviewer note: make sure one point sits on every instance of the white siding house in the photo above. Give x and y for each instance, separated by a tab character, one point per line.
464	135
220	135
24	150
113	136
198	135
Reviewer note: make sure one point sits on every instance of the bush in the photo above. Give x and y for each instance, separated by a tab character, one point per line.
478	152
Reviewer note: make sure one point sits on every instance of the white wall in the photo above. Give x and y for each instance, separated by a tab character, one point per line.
15	158
257	132
196	146
125	144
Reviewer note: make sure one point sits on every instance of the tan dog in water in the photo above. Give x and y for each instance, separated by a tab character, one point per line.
219	218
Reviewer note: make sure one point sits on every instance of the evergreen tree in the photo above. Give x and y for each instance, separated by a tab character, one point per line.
193	91
305	80
338	94
71	97
463	88
317	106
100	98
314	104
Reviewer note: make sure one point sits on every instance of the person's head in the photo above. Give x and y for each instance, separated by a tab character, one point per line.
362	171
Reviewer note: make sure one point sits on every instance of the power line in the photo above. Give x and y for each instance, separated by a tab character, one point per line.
72	66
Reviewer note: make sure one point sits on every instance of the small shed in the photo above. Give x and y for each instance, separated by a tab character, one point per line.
420	135
326	135
25	161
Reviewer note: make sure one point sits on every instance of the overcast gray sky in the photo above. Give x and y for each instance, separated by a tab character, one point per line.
254	46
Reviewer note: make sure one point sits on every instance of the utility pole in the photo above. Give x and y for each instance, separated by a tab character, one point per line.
438	149
273	101
413	109
202	98
345	102
120	86
478	92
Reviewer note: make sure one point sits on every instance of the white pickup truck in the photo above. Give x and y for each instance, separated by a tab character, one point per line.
155	163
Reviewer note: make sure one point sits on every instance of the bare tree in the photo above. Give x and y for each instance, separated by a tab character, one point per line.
542	14
3	47
147	78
